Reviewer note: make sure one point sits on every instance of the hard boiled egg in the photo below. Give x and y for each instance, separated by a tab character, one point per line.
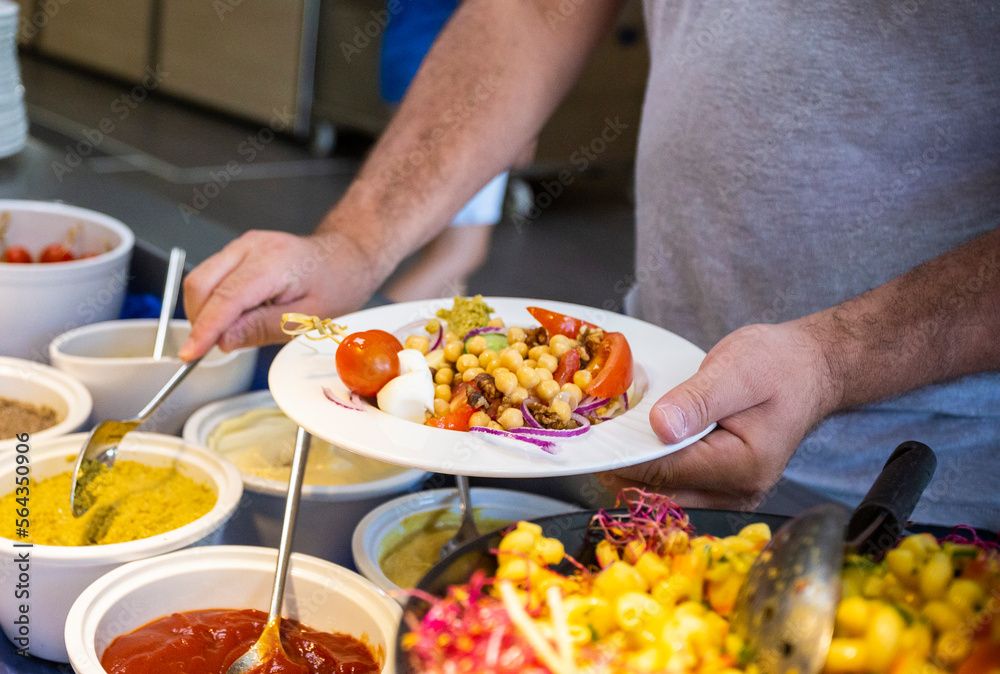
411	394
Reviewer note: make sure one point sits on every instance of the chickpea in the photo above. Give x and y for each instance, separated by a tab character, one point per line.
452	351
574	392
465	361
444	376
505	380
511	359
515	335
521	348
441	407
487	357
511	418
494	425
442	392
476	345
536	352
471	373
494	323
519	395
450	336
527	377
561	409
543	374
479	418
582	379
418	342
547	390
548	361
559	344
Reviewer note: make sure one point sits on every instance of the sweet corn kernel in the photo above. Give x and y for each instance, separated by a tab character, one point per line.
936	575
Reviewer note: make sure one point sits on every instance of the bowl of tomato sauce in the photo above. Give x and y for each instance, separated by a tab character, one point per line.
124	623
60	267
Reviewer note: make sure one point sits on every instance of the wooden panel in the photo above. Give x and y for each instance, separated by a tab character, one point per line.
237	56
111	36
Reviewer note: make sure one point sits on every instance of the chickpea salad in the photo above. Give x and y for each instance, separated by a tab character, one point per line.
464	370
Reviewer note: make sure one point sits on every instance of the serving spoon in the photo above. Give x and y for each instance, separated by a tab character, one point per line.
268	646
785	609
467	530
101	447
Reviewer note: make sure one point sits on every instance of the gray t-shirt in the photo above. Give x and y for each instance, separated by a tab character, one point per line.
794	155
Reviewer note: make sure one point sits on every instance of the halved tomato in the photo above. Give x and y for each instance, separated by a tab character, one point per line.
568	365
457	420
366	361
559	324
611	367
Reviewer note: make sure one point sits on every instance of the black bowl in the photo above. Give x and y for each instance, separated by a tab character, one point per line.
580	540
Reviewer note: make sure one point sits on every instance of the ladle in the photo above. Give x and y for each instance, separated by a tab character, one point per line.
268	646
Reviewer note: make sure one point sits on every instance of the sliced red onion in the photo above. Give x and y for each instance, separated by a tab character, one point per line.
625	400
544	445
591	404
438	338
354	404
529	418
583	425
488	330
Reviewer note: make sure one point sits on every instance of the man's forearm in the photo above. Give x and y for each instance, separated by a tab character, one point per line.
936	322
485	89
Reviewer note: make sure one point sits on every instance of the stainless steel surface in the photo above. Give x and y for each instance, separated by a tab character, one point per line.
270	641
785	610
467	529
172	288
102	443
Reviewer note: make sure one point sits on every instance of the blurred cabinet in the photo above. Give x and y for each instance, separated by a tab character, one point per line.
251	58
110	36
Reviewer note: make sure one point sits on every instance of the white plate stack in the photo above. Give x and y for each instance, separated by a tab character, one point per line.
13	121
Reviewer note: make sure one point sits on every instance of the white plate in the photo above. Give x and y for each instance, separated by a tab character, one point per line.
303	367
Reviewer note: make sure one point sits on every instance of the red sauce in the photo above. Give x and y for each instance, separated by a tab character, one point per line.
207	642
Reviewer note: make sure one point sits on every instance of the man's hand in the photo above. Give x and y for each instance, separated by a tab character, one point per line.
766	386
237	296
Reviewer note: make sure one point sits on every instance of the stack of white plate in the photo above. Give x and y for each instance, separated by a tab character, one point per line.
13	122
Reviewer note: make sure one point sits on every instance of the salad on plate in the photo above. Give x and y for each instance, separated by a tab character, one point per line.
465	370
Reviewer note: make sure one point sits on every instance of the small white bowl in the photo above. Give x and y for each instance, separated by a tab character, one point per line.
374	530
114	361
328	512
41	301
58	574
38	384
319	594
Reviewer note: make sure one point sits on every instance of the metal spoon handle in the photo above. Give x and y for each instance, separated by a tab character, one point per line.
302	442
167	389
175	272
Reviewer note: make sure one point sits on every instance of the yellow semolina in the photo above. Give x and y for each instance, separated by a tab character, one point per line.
131	501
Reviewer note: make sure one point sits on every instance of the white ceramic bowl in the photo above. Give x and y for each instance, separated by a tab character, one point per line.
322	595
38	384
41	301
57	574
373	531
328	513
114	361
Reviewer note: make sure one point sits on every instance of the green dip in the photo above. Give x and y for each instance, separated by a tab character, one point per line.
414	546
466	314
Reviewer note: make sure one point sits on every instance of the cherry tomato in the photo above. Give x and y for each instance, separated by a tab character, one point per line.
559	324
17	255
611	367
456	420
366	361
55	252
568	365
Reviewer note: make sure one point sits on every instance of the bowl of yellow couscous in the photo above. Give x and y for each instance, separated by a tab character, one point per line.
162	494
